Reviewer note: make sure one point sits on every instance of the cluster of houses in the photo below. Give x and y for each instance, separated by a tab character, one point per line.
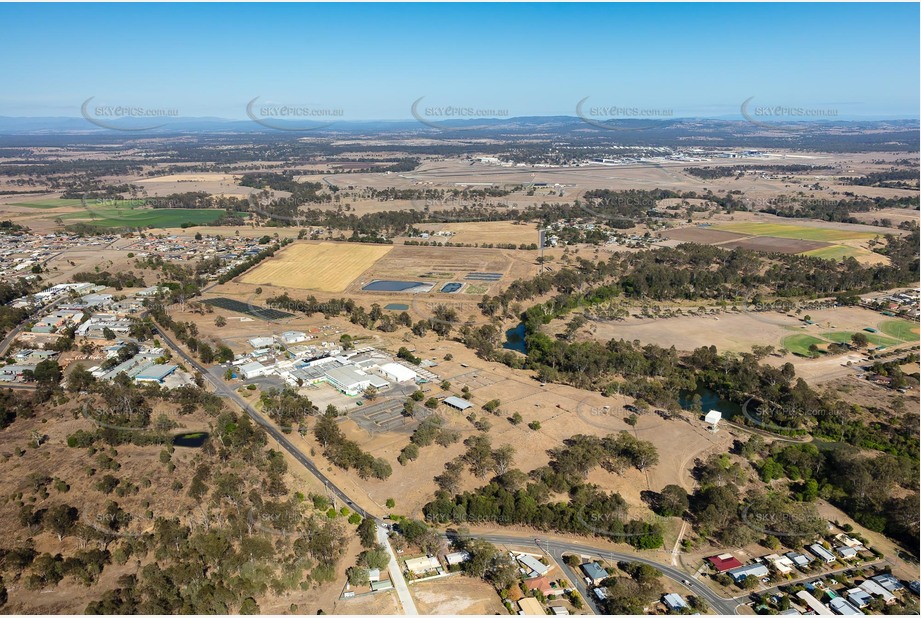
23	251
850	602
844	549
906	304
231	250
95	317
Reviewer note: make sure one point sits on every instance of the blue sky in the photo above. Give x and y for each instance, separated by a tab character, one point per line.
373	60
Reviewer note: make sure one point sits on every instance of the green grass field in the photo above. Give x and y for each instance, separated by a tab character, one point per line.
800	232
845	337
836	252
900	329
799	344
131	216
475	288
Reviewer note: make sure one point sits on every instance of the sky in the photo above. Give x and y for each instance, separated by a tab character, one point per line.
372	61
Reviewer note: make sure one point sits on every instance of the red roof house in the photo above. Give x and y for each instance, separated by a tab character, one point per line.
724	562
539	583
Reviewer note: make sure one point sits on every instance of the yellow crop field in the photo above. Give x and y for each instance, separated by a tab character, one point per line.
326	267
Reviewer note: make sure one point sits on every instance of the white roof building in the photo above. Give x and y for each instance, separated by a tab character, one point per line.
840	606
713	417
293	336
261	342
417	566
397	372
533	564
875	589
456	557
253	370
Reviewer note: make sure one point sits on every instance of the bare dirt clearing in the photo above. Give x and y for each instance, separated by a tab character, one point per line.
458	594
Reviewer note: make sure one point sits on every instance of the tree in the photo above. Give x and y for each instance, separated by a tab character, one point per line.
249	607
220	321
47	372
860	340
79	379
370	393
367	532
672	501
358	576
61	519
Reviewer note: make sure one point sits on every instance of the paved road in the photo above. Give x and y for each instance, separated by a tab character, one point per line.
396	574
556	548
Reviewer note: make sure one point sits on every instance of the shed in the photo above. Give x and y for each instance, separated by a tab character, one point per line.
458	403
713	417
154	372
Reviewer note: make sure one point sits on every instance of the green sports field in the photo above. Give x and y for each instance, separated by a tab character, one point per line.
900	329
129	215
801	232
799	344
845	337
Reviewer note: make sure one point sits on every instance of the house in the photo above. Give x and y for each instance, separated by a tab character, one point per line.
800	560
846	553
11	373
458	403
600	593
876	590
559	611
840	606
594	572
858	597
755	570
374	575
533	565
674	602
397	373
813	603
457	557
724	562
821	553
420	566
888	582
539	583
849	541
529	606
782	564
